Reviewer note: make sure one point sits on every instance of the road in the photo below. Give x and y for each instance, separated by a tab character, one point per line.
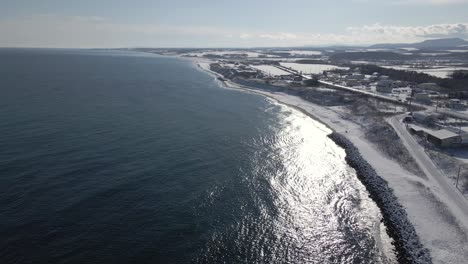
436	178
350	89
367	93
379	96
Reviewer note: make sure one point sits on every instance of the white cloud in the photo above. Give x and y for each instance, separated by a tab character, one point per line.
413	33
414	2
279	36
428	2
91	32
245	36
367	34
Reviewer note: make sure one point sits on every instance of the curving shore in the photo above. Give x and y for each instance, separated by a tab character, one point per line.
399	228
428	213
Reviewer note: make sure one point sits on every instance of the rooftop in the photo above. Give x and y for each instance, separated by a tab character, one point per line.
442	134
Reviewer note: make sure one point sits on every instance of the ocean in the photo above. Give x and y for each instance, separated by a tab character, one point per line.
122	157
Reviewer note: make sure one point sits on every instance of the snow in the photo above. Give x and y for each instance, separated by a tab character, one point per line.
434	53
395	217
310	68
442	72
443	134
374	50
441	226
361	62
304	52
270	70
410	49
438	216
250	54
457	50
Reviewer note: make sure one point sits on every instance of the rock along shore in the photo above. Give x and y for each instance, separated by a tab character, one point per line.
405	239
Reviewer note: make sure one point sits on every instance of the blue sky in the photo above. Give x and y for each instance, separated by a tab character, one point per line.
242	23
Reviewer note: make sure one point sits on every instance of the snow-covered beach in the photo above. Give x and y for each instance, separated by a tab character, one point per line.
441	228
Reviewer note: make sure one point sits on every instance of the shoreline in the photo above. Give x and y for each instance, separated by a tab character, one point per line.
440	226
231	85
399	228
406	242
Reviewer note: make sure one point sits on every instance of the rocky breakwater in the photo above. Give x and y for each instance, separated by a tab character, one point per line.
405	239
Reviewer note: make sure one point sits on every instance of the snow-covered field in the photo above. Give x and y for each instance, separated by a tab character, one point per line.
442	72
249	54
437	72
304	52
457	50
310	68
374	50
362	62
410	49
300	52
270	70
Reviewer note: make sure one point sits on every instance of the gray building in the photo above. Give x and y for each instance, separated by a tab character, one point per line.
444	138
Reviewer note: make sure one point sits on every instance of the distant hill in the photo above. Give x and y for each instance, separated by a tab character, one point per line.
366	55
427	44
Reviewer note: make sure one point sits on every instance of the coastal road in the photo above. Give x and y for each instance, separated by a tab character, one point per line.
370	94
342	87
455	199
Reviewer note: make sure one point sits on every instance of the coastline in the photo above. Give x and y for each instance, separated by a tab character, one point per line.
231	85
406	241
441	238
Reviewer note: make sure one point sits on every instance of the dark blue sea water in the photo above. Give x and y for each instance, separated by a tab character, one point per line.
119	157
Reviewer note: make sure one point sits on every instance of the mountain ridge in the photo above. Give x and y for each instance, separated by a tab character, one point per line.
430	43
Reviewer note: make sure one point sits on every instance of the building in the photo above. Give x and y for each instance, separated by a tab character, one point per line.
416	130
422	117
374	77
384	86
422	97
456	104
352	82
429	86
246	73
355	76
443	138
298	78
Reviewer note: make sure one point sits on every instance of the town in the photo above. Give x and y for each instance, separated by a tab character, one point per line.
416	92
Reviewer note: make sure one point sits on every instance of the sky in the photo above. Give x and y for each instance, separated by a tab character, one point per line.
235	23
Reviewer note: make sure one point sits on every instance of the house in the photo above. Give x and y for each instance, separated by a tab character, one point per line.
246	73
443	138
422	117
429	86
422	97
355	76
384	86
352	82
373	78
399	84
416	130
456	104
